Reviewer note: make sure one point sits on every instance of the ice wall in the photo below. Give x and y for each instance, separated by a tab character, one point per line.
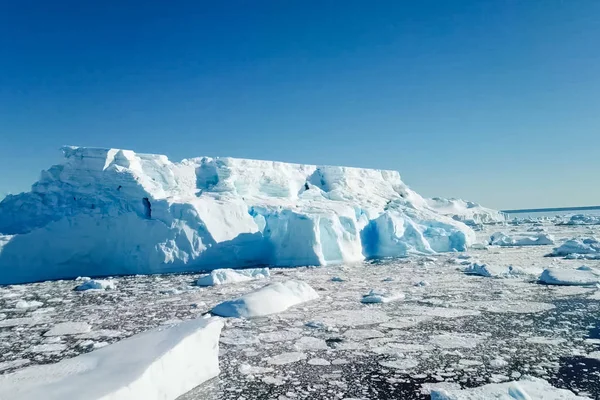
110	211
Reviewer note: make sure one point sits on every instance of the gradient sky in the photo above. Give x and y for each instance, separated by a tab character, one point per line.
492	101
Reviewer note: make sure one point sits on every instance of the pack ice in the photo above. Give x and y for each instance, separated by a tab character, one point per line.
103	212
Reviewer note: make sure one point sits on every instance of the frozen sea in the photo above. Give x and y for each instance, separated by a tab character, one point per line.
450	330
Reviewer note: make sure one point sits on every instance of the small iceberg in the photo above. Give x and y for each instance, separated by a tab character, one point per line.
228	275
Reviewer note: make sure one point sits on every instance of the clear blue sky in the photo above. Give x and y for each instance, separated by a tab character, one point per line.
493	101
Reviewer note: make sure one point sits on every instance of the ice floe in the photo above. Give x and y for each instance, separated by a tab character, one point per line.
502	239
381	296
270	299
227	275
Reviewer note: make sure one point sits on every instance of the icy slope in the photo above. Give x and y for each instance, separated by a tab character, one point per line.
466	211
160	364
110	212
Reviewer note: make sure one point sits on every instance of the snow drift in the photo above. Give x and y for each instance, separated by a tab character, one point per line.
466	211
105	212
159	364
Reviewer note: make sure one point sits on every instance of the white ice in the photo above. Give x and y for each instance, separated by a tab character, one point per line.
502	239
104	212
227	276
270	299
381	296
587	246
155	365
528	388
583	276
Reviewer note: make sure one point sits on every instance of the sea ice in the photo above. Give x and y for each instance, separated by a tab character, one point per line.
587	246
68	328
381	296
226	276
528	388
574	277
502	239
270	299
493	271
97	284
286	358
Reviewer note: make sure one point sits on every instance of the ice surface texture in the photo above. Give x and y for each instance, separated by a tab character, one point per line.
105	212
466	211
159	364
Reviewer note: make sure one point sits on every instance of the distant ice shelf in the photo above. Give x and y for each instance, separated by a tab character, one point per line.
103	212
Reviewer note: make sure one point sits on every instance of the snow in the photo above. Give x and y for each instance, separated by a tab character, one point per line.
466	211
271	299
97	284
109	212
227	276
528	388
588	246
577	277
381	296
540	239
159	364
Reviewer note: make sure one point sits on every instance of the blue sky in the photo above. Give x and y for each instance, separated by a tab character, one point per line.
492	101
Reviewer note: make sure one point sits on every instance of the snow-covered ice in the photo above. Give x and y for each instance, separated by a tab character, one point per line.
540	239
528	388
583	245
381	296
576	277
466	211
270	299
493	271
68	328
227	276
106	212
159	364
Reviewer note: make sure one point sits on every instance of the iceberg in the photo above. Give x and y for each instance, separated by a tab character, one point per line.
468	212
163	363
107	212
270	299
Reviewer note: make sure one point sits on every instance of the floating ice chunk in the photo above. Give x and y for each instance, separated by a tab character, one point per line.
582	219
366	316
456	340
7	323
45	348
97	284
493	271
502	239
381	296
337	279
247	369
498	363
318	361
528	388
227	275
587	246
479	246
545	340
422	283
68	328
286	358
310	343
572	277
594	355
24	305
163	363
278	336
270	299
402	363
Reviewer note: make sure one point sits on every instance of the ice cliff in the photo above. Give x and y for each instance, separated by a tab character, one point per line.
109	212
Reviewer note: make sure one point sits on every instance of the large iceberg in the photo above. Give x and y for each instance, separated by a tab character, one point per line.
104	212
466	211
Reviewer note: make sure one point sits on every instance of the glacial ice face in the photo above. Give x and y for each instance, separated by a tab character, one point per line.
109	212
